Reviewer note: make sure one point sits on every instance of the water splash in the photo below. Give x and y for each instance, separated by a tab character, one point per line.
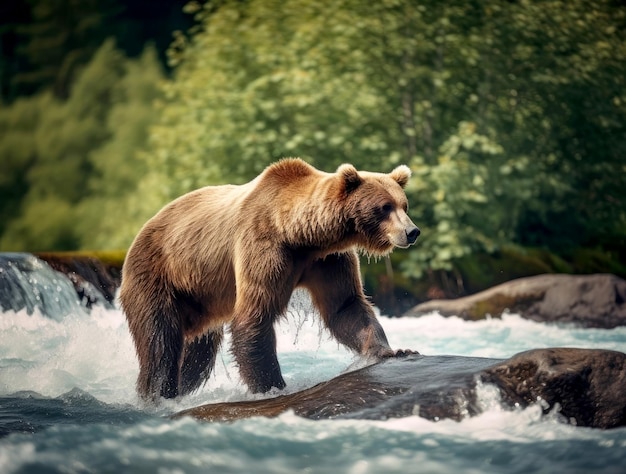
95	353
27	282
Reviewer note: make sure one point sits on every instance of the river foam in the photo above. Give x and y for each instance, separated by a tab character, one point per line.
93	352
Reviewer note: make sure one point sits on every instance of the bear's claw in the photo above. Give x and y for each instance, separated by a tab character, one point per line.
390	353
404	353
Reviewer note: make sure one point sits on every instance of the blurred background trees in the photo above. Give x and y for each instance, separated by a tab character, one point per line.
70	163
512	115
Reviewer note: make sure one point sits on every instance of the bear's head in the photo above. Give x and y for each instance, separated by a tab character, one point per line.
377	208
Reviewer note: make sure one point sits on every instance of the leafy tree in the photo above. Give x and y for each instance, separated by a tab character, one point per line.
556	74
510	113
18	151
470	200
12	14
59	153
262	81
60	38
106	220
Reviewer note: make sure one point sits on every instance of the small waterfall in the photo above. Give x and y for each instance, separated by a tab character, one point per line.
26	282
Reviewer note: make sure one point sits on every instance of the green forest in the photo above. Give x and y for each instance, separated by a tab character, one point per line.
511	115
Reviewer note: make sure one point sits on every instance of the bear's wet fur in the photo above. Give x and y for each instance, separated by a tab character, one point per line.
234	255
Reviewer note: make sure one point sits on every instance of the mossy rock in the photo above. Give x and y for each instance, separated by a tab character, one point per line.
393	292
595	300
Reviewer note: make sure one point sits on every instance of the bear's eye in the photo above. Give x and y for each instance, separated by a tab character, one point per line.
387	208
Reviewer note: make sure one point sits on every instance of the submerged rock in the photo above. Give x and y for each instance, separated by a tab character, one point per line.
597	301
587	386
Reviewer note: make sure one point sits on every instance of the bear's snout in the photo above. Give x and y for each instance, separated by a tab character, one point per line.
402	232
412	234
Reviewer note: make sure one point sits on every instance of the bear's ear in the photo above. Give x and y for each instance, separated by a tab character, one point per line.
350	177
401	175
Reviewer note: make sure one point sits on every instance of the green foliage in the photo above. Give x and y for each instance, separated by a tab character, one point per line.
44	224
17	149
106	217
511	114
63	170
61	37
455	194
260	82
563	65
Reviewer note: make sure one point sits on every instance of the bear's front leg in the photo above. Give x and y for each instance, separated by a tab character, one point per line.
355	325
336	289
254	348
263	291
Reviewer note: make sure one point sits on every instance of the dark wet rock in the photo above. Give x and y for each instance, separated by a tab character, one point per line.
29	283
587	386
56	284
91	276
587	300
391	388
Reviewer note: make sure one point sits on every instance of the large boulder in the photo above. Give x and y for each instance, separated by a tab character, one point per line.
587	386
588	300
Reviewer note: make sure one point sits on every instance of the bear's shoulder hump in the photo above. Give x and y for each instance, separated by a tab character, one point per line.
290	169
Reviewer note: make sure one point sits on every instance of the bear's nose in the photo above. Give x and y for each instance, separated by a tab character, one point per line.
412	235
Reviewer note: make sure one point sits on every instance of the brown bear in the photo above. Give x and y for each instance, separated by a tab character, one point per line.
234	255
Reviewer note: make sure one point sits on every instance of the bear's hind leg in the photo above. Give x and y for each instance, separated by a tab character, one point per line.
159	356
199	360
